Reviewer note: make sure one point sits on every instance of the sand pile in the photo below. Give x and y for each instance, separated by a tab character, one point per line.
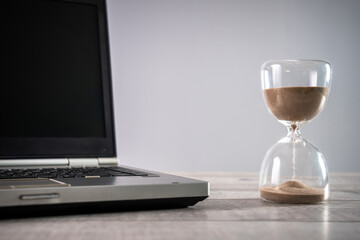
293	192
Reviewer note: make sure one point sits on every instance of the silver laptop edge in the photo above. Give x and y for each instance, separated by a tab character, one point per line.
58	162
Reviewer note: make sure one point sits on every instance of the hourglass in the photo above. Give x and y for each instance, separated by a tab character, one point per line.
293	169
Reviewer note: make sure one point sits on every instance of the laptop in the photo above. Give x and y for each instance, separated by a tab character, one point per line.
57	137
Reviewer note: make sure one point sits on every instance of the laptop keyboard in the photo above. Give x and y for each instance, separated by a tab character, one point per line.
72	173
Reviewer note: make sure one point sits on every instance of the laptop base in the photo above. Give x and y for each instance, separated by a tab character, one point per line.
97	207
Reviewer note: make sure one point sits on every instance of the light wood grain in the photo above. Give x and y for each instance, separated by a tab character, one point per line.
234	211
182	230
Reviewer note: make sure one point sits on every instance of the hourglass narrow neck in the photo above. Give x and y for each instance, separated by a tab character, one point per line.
294	131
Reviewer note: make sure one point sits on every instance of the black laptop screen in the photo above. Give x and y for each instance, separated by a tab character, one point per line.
55	83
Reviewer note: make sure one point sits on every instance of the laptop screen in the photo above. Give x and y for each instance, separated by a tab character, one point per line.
56	94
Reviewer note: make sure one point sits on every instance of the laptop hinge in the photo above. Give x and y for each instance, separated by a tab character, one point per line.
108	161
93	162
83	162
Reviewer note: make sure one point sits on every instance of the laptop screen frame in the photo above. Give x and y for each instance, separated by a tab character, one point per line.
66	147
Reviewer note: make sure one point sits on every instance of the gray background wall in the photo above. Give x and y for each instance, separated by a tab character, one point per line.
187	79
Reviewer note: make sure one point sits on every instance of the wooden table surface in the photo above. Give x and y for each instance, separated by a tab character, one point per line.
233	211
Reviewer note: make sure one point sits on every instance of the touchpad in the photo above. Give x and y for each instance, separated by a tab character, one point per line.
31	183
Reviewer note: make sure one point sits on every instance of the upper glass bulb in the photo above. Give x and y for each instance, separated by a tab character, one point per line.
295	91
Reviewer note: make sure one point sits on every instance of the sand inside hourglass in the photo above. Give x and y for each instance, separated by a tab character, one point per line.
294	105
